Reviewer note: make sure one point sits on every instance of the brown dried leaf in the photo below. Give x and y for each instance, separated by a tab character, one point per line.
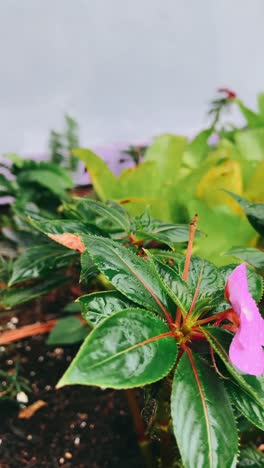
72	241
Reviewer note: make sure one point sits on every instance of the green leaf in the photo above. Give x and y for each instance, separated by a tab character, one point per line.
12	297
251	457
260	99
117	353
113	215
169	234
200	410
131	275
253	119
97	306
251	143
249	254
246	404
67	331
167	152
198	148
61	226
49	175
88	268
104	181
39	261
223	228
255	281
254	212
175	286
72	308
220	341
212	280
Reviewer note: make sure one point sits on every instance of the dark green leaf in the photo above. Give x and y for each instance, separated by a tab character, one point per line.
39	261
249	254
200	411
251	458
60	226
67	331
72	308
175	286
131	275
16	296
97	306
113	216
254	212
245	403
117	353
88	268
169	234
49	175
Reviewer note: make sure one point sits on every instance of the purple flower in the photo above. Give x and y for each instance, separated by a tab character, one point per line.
246	349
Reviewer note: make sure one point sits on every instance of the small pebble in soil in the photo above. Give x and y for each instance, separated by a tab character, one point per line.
61	461
32	373
14	320
10	326
77	441
40	358
59	351
48	388
10	362
29	437
83	424
28	348
68	455
22	397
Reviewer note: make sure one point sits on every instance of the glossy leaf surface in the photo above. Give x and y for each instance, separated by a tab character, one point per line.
97	306
117	353
39	261
200	411
131	275
245	403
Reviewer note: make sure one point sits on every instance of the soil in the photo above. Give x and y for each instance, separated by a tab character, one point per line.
80	427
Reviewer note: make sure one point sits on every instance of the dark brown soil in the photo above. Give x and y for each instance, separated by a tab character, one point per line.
79	427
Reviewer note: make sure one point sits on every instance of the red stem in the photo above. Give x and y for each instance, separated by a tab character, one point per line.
193	226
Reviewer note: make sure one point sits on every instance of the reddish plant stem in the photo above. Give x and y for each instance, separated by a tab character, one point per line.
194	297
38	328
26	331
226	314
193	226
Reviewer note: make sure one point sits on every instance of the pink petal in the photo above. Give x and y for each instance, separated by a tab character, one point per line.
237	286
246	350
249	361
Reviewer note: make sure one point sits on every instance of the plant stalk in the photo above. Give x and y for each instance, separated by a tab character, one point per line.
143	441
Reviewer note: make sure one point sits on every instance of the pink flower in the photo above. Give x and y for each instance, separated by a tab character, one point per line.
246	349
229	93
